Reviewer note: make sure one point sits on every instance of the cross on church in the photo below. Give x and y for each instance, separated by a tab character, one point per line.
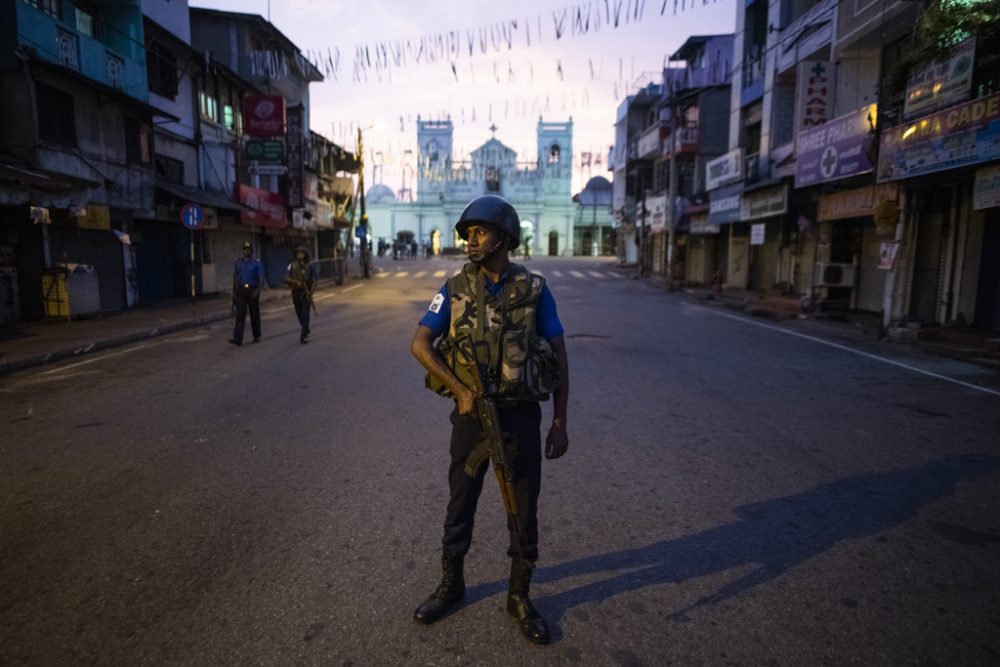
493	129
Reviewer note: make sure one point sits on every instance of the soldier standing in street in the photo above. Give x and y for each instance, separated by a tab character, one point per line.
301	278
248	280
497	315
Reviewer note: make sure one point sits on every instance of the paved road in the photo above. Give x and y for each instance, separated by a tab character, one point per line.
736	492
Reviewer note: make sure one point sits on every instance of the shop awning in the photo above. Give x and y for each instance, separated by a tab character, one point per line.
43	179
203	197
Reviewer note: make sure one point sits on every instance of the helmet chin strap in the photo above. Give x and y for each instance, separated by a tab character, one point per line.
480	257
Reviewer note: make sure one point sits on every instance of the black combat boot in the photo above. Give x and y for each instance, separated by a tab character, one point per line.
519	605
449	591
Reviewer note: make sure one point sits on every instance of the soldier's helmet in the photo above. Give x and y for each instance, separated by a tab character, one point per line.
492	210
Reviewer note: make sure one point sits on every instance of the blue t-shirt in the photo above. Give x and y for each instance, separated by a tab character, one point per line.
248	272
438	315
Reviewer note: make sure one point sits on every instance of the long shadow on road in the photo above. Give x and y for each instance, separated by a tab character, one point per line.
771	536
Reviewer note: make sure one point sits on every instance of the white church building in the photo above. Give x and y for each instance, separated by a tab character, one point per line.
540	190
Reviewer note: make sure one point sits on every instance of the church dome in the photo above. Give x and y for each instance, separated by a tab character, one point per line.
598	183
380	193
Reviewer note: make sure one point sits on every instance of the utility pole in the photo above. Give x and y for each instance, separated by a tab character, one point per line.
672	188
365	254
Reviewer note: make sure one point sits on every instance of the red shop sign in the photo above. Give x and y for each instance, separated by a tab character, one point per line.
262	208
264	115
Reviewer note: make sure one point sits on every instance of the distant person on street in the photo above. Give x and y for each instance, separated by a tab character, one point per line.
248	281
497	327
301	277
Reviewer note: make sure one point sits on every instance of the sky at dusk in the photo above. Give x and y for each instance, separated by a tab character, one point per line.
584	75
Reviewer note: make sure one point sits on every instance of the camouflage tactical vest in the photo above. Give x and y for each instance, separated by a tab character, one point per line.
514	362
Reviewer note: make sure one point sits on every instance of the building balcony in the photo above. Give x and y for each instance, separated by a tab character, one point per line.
115	61
648	142
684	140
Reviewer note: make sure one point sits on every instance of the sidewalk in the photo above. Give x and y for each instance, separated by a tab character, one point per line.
26	345
965	344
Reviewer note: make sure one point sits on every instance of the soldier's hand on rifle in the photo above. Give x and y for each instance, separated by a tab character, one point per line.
557	441
466	399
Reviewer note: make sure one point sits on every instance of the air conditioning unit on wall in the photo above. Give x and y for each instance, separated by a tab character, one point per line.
829	274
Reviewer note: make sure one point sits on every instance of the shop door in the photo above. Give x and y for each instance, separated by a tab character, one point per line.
871	279
926	268
739	261
158	260
988	293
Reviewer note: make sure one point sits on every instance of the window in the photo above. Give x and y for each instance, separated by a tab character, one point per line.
50	7
208	106
554	154
161	68
170	170
229	117
86	18
56	117
138	141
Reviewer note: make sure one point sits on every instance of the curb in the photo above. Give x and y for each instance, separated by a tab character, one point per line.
108	343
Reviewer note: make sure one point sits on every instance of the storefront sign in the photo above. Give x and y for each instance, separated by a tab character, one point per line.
887	255
940	84
266	150
986	191
659	215
725	169
814	105
700	225
95	217
294	142
856	203
261	208
724	205
963	135
264	115
757	232
764	203
837	149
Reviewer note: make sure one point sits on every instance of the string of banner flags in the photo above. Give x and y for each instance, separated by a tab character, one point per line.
377	60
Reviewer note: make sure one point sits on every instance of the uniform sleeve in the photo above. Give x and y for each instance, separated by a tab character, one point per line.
548	323
438	315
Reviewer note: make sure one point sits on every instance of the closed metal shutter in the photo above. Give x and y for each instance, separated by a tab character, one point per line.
101	249
157	249
30	264
871	279
988	292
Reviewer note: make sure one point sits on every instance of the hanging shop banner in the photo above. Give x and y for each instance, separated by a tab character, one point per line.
814	103
725	169
986	191
940	84
856	203
264	115
764	203
294	143
963	135
701	225
837	149
95	217
261	208
724	204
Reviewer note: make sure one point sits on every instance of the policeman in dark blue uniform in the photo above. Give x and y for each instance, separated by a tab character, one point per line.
248	280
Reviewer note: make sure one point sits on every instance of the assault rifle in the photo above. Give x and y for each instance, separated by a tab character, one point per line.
499	450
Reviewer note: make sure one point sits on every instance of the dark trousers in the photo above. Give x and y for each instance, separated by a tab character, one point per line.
522	422
302	307
246	300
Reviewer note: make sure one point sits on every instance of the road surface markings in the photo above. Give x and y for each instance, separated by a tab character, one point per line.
100	358
382	275
557	274
596	274
401	274
439	274
577	274
352	287
885	360
419	274
457	271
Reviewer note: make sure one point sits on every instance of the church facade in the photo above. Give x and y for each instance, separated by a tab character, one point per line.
539	190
